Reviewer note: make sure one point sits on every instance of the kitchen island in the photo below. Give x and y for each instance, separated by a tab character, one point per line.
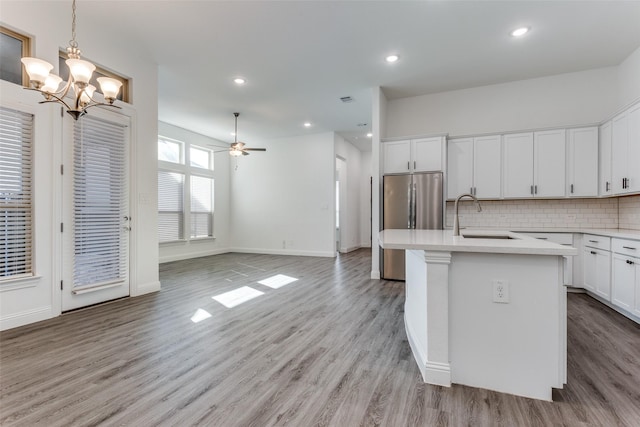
486	309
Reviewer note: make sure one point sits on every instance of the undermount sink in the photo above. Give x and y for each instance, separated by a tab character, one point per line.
488	236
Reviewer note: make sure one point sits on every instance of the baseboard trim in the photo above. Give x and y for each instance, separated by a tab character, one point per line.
290	252
349	249
190	255
26	317
432	372
145	288
375	274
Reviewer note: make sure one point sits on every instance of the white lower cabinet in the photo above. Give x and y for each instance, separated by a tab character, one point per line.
596	258
625	275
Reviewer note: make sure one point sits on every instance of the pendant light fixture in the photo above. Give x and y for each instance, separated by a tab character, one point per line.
42	80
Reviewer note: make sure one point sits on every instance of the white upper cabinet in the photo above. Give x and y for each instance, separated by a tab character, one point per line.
487	170
549	163
474	167
625	151
416	155
518	165
460	167
534	164
604	155
397	156
583	162
427	154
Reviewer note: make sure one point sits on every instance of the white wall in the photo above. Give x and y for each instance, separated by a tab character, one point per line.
101	45
222	200
350	229
283	199
567	99
629	80
365	199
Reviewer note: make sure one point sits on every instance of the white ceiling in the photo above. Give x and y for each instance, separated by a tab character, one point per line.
300	57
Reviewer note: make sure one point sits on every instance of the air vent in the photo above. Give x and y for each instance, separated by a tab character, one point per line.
346	99
362	125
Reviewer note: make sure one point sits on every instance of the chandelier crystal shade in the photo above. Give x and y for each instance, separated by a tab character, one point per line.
80	71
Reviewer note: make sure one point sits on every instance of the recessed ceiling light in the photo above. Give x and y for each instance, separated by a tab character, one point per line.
239	81
369	135
307	124
392	58
520	32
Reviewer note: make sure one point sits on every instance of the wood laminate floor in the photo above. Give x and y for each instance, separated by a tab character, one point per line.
326	350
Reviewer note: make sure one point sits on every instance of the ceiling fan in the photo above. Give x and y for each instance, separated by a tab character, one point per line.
236	148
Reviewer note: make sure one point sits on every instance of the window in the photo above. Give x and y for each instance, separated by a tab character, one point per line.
16	232
13	47
123	95
185	191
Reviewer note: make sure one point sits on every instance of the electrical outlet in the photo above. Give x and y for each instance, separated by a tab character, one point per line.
501	291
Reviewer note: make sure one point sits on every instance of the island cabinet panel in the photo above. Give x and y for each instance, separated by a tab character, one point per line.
582	163
518	165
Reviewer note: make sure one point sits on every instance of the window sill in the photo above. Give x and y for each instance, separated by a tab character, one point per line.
203	239
173	242
19	283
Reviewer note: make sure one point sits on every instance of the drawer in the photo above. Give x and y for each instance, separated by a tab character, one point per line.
626	247
560	238
600	242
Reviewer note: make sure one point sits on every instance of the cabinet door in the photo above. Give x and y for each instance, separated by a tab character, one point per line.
549	163
633	150
518	165
589	257
636	307
583	162
619	138
623	278
427	154
604	160
460	167
397	155
603	274
487	172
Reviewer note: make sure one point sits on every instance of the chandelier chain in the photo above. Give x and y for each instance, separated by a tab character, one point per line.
73	43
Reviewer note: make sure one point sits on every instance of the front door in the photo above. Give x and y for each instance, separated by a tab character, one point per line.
96	221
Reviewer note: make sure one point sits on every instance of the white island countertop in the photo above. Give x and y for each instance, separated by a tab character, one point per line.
444	240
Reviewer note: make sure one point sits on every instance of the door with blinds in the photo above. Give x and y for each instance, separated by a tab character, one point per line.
96	221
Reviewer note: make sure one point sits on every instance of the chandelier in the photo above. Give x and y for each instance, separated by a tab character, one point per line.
42	80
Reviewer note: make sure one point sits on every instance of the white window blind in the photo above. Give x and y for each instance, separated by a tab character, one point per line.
100	203
170	206
16	232
201	206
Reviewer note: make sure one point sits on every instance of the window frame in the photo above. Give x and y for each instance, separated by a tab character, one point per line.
187	170
26	49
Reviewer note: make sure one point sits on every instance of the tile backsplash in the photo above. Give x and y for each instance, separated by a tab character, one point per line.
629	212
621	212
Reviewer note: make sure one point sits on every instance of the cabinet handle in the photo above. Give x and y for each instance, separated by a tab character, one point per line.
535	189
408	166
470	190
571	188
541	238
630	262
629	247
594	253
593	241
607	185
475	191
532	189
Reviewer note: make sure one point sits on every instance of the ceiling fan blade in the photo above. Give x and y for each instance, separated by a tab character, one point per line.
220	151
255	149
244	153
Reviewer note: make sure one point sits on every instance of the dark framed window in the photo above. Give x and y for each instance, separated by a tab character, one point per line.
123	95
13	47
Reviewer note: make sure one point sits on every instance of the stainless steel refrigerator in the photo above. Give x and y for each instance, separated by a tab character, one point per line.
409	201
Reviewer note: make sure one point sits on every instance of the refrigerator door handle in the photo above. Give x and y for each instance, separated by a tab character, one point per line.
410	207
415	205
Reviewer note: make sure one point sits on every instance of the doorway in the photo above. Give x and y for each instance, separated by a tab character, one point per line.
95	210
340	193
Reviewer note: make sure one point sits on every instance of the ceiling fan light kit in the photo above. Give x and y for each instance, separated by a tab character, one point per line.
236	148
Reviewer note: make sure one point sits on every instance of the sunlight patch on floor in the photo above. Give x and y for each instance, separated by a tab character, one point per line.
200	315
277	281
237	296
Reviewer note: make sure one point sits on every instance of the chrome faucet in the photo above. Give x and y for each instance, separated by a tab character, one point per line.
456	221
